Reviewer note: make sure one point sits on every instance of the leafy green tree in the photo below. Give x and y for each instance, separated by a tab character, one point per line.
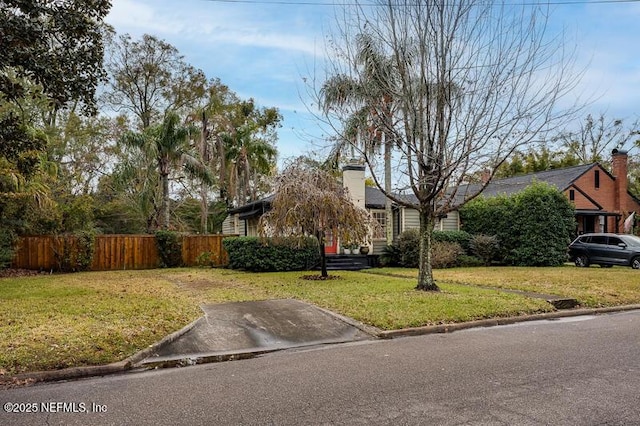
596	137
535	160
83	148
249	151
188	216
591	142
116	211
51	59
149	78
57	45
214	118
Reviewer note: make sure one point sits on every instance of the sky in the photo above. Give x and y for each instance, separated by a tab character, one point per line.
270	50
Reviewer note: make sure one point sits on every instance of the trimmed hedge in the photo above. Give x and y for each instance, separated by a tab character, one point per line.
534	226
272	255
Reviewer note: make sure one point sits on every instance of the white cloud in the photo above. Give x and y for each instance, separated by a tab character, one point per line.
135	17
208	24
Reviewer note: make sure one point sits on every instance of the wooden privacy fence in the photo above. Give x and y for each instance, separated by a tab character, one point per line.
117	252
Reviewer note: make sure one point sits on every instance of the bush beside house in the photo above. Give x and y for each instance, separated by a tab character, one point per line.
533	227
449	248
272	255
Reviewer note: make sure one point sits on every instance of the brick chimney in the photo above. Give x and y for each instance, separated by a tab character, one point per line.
619	160
485	175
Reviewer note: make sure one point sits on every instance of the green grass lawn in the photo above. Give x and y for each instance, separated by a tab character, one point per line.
57	321
592	287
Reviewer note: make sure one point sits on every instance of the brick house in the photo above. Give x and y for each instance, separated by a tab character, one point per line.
601	198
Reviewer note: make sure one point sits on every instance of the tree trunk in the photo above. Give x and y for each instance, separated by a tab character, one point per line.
388	212
204	209
323	255
164	208
425	275
204	188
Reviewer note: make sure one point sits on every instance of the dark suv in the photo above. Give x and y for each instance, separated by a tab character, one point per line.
606	250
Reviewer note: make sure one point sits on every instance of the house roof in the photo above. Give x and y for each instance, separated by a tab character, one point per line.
560	178
254	208
375	199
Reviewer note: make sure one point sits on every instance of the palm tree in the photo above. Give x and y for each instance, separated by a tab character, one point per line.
167	145
248	158
249	151
371	95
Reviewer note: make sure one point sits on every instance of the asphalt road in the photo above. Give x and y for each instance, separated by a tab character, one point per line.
578	371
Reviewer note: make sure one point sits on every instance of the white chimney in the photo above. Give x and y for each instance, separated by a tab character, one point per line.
353	181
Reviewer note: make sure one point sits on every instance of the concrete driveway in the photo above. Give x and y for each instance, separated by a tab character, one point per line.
243	329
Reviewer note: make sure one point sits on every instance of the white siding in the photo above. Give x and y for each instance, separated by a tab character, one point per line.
233	225
451	222
378	246
227	226
411	219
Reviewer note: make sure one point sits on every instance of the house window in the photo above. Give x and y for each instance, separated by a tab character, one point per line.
381	218
572	195
597	180
252	227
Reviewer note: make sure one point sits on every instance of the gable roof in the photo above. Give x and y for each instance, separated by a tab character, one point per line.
560	178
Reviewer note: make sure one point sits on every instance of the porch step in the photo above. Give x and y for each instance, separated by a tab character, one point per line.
348	262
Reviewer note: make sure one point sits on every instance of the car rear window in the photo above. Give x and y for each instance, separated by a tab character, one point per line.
598	239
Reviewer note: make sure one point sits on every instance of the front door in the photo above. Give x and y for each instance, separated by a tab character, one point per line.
330	243
589	224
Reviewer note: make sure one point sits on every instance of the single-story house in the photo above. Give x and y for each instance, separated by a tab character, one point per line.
601	198
243	220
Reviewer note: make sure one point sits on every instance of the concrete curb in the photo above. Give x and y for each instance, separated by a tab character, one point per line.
132	361
492	322
145	353
195	359
94	370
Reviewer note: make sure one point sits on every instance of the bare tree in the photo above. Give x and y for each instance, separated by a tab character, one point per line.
595	138
310	201
149	77
475	81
